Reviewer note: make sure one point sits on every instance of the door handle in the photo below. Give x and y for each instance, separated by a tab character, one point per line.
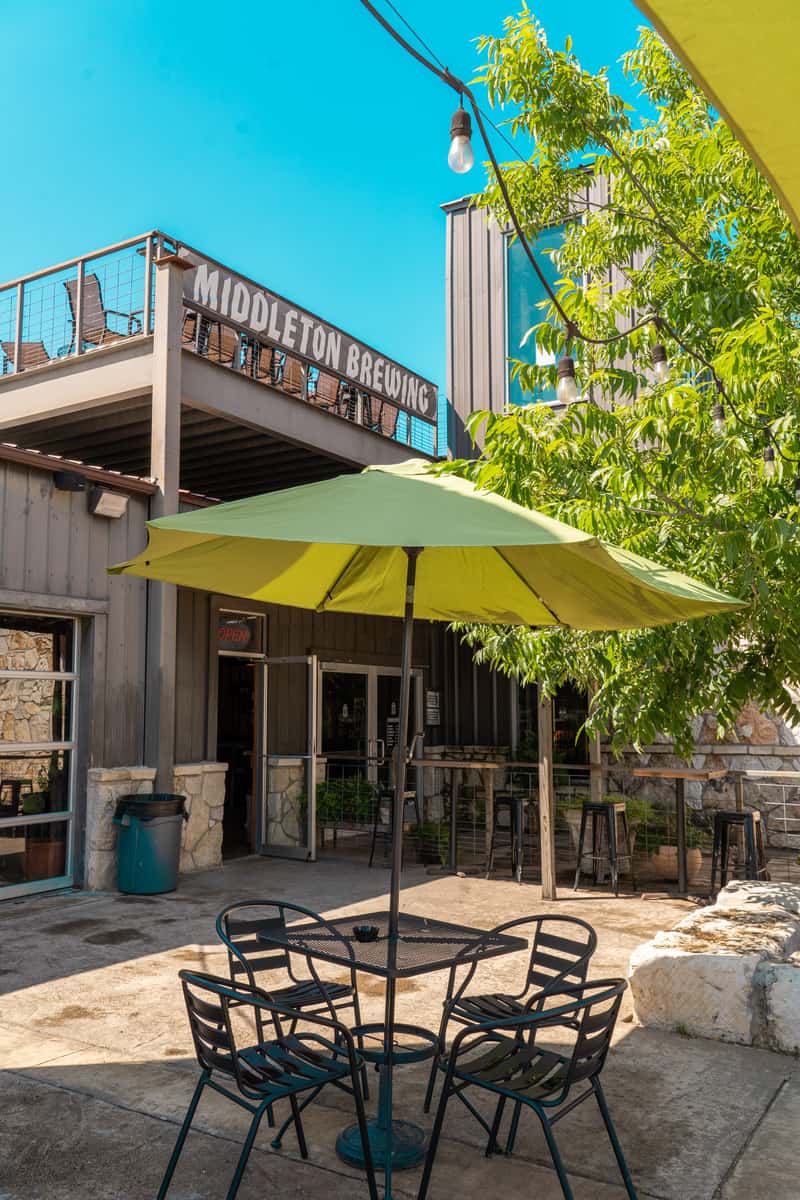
380	753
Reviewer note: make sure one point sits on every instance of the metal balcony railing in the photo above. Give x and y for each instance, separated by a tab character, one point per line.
103	298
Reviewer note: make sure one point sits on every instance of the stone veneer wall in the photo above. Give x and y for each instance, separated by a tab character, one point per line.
203	785
286	787
760	742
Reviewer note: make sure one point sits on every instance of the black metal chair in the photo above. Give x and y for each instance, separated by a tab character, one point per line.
755	858
611	840
382	828
503	1058
260	1075
560	952
514	807
238	927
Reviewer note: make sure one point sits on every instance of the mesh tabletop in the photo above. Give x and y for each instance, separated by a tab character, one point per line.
422	944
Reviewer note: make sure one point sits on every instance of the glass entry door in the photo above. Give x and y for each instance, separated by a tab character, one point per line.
359	718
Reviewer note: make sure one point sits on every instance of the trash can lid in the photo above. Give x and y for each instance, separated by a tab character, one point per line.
150	805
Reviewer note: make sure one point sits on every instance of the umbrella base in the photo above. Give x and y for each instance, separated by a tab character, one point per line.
408	1145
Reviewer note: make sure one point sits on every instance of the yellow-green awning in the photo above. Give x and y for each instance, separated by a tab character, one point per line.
746	58
339	546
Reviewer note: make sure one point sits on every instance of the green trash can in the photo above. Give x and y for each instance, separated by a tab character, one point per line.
149	842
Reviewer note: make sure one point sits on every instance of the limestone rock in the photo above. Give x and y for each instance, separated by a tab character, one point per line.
781	982
706	994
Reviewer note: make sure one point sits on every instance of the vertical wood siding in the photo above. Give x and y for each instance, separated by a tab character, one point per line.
51	545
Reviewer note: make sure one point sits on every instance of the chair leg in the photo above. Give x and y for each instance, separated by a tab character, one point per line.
360	1038
361	1118
555	1154
512	1132
245	1154
612	1137
298	1124
613	860
580	850
187	1121
491	1145
714	855
426	1107
433	1144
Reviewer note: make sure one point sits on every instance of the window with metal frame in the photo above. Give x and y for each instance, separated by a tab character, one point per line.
38	722
524	295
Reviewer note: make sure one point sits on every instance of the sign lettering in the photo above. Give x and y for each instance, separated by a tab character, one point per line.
211	288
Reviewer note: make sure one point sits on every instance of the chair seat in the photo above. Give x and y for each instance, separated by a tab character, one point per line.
308	992
293	1064
493	1006
516	1070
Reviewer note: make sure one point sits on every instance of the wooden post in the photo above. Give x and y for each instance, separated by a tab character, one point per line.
547	800
165	446
596	789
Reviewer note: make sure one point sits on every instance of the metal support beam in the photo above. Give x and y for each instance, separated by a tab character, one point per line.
547	799
165	441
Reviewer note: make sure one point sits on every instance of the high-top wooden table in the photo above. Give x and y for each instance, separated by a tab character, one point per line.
680	775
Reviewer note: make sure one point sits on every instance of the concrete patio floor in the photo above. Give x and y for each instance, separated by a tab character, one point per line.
97	1067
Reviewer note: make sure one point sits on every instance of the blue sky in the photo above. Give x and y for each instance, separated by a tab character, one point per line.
295	143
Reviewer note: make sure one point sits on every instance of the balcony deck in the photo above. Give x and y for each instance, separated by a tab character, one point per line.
271	394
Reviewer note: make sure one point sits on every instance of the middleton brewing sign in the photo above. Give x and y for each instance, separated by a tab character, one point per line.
216	291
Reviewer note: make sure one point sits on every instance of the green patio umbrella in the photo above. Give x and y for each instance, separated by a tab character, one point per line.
405	541
744	57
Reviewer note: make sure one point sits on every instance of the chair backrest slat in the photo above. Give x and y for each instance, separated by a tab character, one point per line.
561	951
596	1023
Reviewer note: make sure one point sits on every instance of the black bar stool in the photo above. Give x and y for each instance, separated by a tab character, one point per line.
755	859
514	805
610	840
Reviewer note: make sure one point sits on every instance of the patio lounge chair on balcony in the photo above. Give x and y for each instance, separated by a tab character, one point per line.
33	354
281	1066
327	393
210	339
503	1058
96	330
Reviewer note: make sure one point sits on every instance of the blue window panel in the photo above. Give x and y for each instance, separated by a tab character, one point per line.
524	293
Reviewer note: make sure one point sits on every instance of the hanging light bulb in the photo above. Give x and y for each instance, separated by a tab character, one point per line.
718	418
769	462
566	388
461	157
660	363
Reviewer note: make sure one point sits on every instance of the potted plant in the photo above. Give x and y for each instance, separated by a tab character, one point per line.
432	842
665	857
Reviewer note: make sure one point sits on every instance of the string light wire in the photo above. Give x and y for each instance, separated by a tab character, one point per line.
572	330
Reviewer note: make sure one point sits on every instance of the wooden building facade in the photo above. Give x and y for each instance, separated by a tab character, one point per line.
183	383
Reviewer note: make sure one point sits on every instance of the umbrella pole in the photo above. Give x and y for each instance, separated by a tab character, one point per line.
401	749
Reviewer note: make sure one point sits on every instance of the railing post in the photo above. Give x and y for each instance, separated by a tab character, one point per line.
359	413
79	310
147	305
408	428
18	328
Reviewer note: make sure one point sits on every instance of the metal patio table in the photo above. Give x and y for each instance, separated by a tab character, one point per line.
422	945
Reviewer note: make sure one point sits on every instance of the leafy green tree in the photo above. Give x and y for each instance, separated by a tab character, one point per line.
693	236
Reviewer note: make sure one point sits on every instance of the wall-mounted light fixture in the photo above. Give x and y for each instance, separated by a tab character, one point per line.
104	503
